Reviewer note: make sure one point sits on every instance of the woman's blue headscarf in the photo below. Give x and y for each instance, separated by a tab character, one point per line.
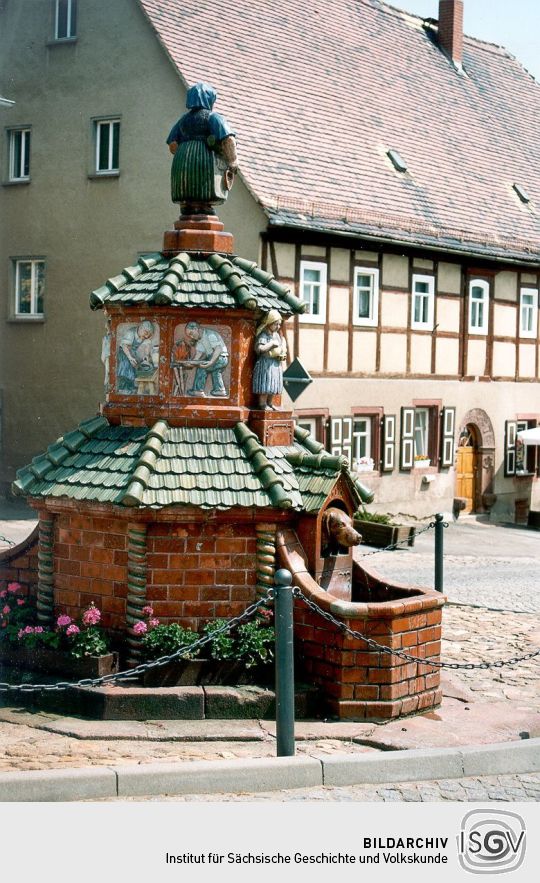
201	95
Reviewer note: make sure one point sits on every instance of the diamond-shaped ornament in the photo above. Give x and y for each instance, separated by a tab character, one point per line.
295	379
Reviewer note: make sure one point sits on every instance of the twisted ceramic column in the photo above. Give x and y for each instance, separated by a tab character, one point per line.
136	595
266	557
45	587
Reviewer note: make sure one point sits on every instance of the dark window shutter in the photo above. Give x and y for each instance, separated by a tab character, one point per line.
406	460
388	442
510	430
448	417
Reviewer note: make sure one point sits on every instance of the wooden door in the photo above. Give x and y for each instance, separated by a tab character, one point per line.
466	475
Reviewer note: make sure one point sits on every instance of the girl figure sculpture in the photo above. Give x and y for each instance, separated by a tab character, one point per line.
204	151
271	348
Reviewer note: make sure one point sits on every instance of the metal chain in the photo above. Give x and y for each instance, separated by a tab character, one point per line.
5	540
404	542
469	666
145	666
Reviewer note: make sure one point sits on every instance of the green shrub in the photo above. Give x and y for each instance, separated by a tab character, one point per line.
166	639
222	645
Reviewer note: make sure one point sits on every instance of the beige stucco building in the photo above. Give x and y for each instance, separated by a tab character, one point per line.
414	238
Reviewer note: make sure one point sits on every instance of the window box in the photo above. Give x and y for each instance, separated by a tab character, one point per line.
313	290
197	672
422	463
364	464
54	662
383	535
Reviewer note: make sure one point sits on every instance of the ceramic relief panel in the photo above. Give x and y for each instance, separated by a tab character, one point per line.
200	360
137	358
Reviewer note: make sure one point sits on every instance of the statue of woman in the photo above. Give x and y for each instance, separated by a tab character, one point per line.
204	151
271	348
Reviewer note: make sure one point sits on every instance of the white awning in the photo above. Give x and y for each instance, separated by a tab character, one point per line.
530	436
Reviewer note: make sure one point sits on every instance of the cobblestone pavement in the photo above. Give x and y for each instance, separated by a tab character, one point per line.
476	635
491	565
482	789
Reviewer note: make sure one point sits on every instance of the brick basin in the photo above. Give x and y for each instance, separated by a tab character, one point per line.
360	682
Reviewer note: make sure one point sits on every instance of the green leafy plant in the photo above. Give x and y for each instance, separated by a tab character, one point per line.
89	642
374	517
166	639
80	638
255	643
16	612
222	645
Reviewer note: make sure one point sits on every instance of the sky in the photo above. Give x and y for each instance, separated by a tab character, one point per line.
514	24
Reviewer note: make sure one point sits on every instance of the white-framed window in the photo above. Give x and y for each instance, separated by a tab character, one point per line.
107	146
313	291
29	287
366	296
423	302
528	312
309	424
478	306
19	154
361	447
421	432
65	19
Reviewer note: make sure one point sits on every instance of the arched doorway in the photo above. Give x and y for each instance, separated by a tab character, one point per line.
467	467
477	433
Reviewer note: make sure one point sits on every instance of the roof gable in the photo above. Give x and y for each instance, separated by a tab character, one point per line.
316	117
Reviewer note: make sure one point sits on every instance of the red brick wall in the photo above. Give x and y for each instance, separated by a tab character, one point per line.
194	572
361	683
20	563
197	573
90	564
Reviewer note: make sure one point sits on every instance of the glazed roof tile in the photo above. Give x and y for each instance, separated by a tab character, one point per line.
213	282
316	118
161	466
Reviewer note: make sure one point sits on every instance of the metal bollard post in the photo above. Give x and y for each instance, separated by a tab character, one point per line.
439	552
284	663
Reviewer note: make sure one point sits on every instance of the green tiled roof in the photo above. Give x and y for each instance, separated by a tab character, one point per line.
214	282
182	466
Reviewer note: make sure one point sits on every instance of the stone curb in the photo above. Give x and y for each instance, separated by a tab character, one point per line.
269	774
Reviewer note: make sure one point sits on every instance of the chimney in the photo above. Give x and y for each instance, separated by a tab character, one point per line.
451	29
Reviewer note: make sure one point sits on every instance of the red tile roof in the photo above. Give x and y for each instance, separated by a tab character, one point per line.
319	90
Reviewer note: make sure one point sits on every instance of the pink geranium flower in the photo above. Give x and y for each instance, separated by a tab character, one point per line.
6	609
72	630
140	628
91	615
3	594
63	620
20	602
153	622
13	587
148	610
